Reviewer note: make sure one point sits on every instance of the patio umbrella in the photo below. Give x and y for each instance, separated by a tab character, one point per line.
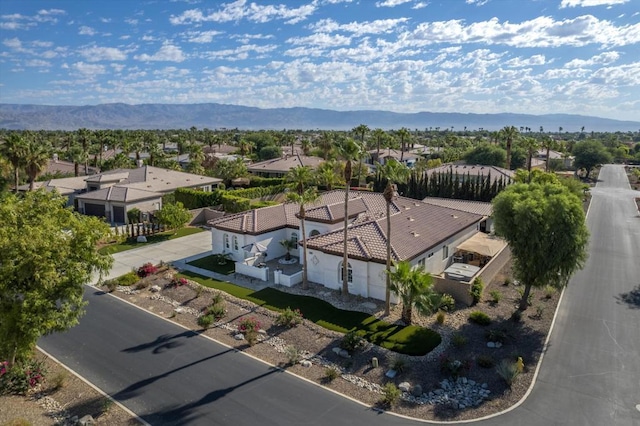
254	248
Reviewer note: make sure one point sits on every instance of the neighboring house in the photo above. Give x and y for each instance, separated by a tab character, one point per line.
424	234
540	158
279	167
112	193
475	207
56	165
474	172
409	158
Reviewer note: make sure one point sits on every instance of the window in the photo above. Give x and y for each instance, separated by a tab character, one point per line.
429	255
314	232
226	241
294	238
349	273
235	243
445	252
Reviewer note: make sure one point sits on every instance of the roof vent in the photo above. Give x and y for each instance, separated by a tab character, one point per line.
415	234
454	216
410	219
406	207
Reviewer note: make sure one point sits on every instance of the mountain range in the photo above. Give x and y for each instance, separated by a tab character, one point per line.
215	116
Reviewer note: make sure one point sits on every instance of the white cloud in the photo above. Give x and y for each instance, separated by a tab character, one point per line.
379	26
520	62
202	36
168	52
13	43
420	5
604	58
321	40
97	53
37	63
88	70
239	53
589	3
239	9
477	2
84	30
391	3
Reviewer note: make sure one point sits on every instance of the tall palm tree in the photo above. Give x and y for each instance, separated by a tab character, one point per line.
394	172
548	144
361	131
299	177
85	138
326	175
404	136
349	150
378	136
13	150
414	288
310	195
36	158
509	133
531	145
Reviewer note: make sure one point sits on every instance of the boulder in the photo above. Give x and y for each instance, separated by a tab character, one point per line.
404	386
141	239
416	391
239	336
344	354
86	420
491	344
336	350
305	363
154	288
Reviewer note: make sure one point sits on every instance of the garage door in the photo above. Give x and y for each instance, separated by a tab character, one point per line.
94	210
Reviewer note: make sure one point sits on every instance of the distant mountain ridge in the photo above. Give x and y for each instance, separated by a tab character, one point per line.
213	116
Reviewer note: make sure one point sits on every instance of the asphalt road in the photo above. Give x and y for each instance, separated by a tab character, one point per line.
590	375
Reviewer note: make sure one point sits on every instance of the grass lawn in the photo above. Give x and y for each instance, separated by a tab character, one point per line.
210	264
410	340
131	243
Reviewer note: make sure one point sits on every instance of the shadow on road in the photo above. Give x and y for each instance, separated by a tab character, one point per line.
630	298
162	343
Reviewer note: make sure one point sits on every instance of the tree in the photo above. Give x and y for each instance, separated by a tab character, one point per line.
404	136
47	254
299	177
414	287
174	216
378	136
486	155
589	154
509	133
36	158
544	225
288	246
13	150
227	170
531	145
361	131
394	172
548	144
349	150
309	196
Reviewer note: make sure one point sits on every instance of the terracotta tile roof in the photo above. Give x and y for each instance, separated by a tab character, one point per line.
332	213
283	165
119	194
476	207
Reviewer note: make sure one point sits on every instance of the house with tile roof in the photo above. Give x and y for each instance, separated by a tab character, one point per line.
112	193
279	167
424	234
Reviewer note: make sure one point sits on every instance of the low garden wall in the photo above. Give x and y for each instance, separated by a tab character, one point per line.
287	280
252	271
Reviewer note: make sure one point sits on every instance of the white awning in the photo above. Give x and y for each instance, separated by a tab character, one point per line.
483	244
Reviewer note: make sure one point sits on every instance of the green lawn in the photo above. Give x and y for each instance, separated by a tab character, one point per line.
210	264
410	340
131	243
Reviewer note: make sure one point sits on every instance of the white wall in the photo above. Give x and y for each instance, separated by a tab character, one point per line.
271	240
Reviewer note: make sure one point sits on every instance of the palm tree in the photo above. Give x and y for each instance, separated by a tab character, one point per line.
349	150
548	144
36	158
299	177
326	175
414	288
85	137
378	135
288	246
394	172
309	196
325	144
404	136
13	150
531	145
509	133
361	131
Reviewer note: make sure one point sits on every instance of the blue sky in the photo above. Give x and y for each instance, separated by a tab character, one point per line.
482	56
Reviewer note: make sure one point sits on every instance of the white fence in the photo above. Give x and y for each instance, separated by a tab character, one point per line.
252	271
287	280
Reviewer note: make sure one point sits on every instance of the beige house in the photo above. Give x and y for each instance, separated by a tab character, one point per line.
279	167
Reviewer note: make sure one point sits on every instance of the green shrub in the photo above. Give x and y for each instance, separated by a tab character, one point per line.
23	376
454	367
217	311
440	317
479	318
262	181
508	371
58	381
233	204
352	342
458	340
496	336
485	361
496	296
111	285
476	290
331	373
127	279
205	321
391	395
293	354
195	199
507	282
217	298
289	318
447	302
539	312
399	363
261	204
549	291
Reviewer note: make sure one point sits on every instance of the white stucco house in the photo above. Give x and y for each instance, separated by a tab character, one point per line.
423	233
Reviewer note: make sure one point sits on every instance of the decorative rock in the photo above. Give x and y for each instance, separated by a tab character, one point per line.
86	420
178	310
391	374
305	363
336	350
404	386
416	391
239	336
344	354
154	288
484	386
491	344
74	420
374	362
498	345
141	239
263	332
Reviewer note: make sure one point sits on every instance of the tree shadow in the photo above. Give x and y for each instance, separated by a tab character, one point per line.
162	343
630	298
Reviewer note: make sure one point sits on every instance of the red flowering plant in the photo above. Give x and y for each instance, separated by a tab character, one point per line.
22	377
248	324
146	270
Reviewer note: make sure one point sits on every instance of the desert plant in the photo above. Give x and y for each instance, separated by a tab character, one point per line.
476	290
447	303
508	370
293	354
217	298
249	326
19	421
440	317
142	284
352	342
331	373
549	291
479	318
289	318
146	270
495	335
539	312
106	405
458	340
199	289
127	279
496	296
205	321
507	282
399	363
22	377
111	285
391	395
485	361
217	311
58	381
453	366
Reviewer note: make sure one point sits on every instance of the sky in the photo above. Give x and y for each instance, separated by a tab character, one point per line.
477	56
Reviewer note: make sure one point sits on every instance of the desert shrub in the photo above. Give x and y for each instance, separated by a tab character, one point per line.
454	367
390	395
289	318
440	317
496	296
58	381
458	340
178	281
146	270
111	285
447	302
217	298
199	289
217	311
508	370
205	321
20	421
126	280
539	312
352	342
495	335
293	354
549	291
476	290
399	363
485	361
142	284
507	282
23	376
480	318
249	326
331	373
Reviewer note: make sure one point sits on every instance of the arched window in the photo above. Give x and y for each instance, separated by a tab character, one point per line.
349	273
235	243
294	238
226	241
314	233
